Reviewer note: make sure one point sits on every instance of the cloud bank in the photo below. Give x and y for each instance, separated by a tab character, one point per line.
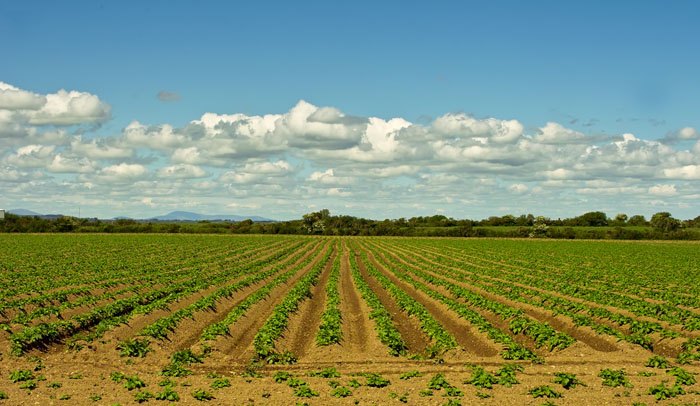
284	164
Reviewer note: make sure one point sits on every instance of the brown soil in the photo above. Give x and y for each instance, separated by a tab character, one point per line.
408	327
466	335
359	352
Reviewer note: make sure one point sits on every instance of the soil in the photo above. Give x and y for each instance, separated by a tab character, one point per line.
84	375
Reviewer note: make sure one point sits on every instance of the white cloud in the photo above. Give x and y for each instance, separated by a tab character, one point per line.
683	172
61	164
460	124
182	171
32	156
158	137
555	133
99	149
387	164
261	172
122	173
663	190
12	98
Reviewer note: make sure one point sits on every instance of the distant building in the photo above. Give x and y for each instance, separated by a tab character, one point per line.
2	214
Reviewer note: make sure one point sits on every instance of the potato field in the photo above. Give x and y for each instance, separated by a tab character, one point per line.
285	320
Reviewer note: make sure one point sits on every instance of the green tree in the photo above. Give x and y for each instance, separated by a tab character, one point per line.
620	219
637	220
662	221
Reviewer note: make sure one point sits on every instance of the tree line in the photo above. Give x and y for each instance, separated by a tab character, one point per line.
591	225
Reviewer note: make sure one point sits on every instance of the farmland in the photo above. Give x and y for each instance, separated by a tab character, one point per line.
127	319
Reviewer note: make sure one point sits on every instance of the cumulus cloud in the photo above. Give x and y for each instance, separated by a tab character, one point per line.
683	172
182	171
166	96
122	173
663	190
12	98
555	133
31	156
262	172
99	149
500	131
318	155
684	134
162	137
62	164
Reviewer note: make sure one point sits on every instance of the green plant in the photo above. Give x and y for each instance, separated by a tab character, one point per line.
294	382
341	392
28	385
175	370
481	378
326	373
453	402
657	361
134	348
3	395
661	392
614	378
143	396
75	376
185	357
221	383
376	381
682	376
281	376
167	382
202	395
54	385
354	383
544	391
453	391
482	395
568	381
95	398
21	375
425	392
506	375
411	374
133	382
64	397
168	394
438	382
117	376
304	391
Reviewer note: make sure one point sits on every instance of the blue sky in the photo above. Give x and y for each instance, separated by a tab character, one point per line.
596	70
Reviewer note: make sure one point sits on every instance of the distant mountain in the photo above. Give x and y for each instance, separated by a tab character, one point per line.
23	212
189	216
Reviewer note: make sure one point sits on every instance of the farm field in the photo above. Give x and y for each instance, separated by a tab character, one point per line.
231	320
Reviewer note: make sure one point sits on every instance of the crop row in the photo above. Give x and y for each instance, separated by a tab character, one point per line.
100	318
542	333
275	325
387	332
443	340
330	331
512	349
163	326
638	328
